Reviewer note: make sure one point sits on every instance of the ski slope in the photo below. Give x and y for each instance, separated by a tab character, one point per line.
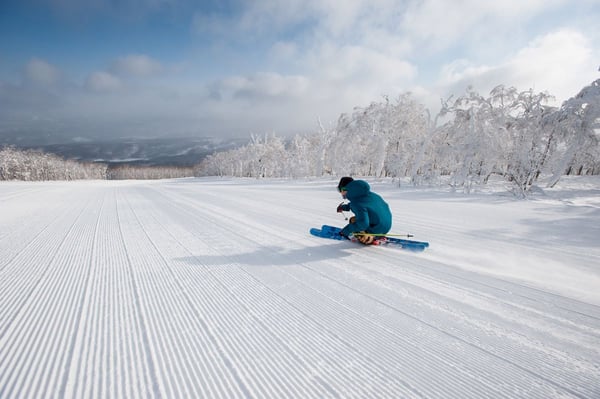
213	288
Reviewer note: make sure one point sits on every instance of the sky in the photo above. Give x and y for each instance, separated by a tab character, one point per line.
175	68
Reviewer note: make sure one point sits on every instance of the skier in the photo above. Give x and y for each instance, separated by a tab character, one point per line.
371	213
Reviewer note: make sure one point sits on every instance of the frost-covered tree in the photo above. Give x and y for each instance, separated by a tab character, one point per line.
500	134
469	139
531	142
264	156
30	165
270	156
577	123
134	172
305	156
508	133
380	140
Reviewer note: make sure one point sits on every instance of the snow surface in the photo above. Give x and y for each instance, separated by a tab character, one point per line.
214	288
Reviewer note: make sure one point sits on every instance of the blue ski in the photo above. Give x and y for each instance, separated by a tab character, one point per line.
333	233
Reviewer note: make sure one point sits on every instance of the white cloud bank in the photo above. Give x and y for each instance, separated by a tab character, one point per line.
560	63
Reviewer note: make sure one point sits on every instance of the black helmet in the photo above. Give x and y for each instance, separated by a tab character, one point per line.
344	181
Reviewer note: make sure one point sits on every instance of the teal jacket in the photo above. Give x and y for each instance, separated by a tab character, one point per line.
372	213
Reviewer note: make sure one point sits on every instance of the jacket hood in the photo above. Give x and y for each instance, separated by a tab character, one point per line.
357	188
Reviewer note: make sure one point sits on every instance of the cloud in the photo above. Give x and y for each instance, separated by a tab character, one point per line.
544	61
40	72
556	62
441	23
262	86
102	82
283	51
361	64
121	70
136	65
307	22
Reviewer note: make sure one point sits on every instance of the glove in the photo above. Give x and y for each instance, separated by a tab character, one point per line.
366	239
339	208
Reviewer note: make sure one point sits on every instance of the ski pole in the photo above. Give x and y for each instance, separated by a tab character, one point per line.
385	235
342	212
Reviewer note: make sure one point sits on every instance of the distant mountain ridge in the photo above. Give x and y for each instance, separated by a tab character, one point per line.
179	151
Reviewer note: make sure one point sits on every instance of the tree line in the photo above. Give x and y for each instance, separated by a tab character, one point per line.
35	165
512	134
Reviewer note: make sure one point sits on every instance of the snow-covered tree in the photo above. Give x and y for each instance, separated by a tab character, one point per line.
508	133
501	134
577	123
468	140
379	140
531	143
30	165
125	172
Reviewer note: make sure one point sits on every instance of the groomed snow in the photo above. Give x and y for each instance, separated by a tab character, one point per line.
214	288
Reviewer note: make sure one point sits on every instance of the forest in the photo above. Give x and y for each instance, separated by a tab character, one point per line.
510	134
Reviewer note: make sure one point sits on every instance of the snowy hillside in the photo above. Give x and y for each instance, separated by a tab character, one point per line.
214	288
